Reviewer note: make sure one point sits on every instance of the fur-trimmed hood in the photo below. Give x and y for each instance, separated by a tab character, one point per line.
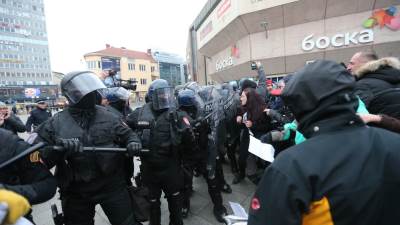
373	66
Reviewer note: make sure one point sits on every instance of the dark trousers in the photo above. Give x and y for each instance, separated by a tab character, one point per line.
214	183
169	180
231	152
80	209
243	150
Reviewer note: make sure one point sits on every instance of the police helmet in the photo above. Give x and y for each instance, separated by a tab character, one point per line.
116	94
186	98
76	85
161	95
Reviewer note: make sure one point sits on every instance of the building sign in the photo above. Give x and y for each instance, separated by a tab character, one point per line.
206	30
32	92
223	8
229	10
384	17
110	63
223	64
337	40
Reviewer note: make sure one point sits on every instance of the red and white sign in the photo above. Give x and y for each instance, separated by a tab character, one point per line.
223	8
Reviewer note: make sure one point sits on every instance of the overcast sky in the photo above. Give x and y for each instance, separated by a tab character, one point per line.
76	27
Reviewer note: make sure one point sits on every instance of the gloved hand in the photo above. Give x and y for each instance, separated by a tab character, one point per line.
16	205
266	138
70	145
133	149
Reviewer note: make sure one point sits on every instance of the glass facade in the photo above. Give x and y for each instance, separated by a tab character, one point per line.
172	67
171	73
24	52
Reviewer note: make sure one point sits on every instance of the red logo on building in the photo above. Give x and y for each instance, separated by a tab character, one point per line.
235	51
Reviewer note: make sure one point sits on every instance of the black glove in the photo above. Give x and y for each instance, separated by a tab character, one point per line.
70	145
133	149
266	138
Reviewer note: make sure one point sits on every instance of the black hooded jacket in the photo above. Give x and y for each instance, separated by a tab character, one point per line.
27	176
345	173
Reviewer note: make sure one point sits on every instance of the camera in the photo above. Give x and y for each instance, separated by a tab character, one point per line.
253	66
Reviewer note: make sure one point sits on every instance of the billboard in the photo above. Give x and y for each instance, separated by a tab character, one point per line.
110	63
32	92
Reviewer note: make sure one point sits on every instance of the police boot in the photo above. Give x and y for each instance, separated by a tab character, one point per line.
185	211
186	203
220	213
175	208
155	212
238	178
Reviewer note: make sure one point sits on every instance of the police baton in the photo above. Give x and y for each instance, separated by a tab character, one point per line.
100	149
22	155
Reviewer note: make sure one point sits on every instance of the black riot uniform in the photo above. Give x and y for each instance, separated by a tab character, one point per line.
231	106
214	107
118	104
37	117
163	130
87	179
28	176
202	156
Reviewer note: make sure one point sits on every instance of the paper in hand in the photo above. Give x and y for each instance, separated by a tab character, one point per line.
259	149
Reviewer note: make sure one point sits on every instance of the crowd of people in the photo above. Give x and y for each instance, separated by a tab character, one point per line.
334	130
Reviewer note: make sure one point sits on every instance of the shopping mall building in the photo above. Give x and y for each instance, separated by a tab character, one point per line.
284	35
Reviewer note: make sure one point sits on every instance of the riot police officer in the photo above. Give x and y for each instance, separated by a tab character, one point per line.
163	130
231	107
198	156
28	176
87	179
118	101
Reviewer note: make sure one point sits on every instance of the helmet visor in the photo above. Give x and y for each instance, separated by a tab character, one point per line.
82	85
163	98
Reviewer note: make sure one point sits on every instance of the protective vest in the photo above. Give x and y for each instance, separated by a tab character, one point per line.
88	166
157	133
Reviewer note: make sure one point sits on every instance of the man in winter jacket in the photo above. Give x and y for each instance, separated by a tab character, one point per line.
345	173
377	83
9	121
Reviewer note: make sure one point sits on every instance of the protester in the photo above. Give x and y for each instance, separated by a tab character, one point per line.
323	178
9	121
378	86
255	117
27	176
359	59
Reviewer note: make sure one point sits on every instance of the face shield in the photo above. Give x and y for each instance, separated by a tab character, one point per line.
163	98
81	85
